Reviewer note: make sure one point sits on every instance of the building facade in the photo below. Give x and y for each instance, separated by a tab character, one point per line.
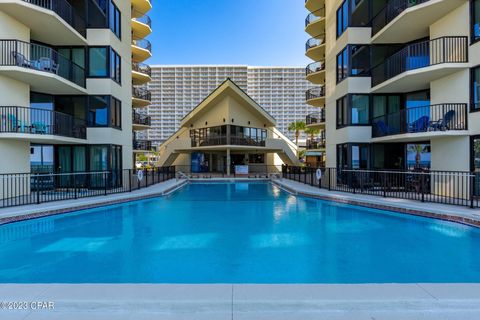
176	90
65	83
401	83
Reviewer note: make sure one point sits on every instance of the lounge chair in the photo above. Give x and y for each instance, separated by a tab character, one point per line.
21	61
381	128
444	123
420	125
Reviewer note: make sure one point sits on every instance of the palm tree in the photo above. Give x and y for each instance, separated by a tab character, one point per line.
297	127
418	149
312	132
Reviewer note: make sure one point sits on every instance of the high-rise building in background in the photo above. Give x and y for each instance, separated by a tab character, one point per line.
176	90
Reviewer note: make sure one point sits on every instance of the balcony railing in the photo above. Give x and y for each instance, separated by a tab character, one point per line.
142	68
36	57
392	10
314	118
141	119
229	140
420	55
433	118
65	11
315	93
141	93
143	43
42	122
314	67
315	16
142	145
315	42
145	19
316	143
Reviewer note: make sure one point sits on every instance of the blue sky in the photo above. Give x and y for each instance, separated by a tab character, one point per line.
247	32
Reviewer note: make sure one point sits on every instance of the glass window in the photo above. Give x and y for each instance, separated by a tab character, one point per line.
98	111
476	89
98	62
418	156
114	19
360	109
475	20
115	66
41	159
360	60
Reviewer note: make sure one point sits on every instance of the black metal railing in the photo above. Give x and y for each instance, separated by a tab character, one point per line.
315	93
142	68
142	145
392	10
41	121
18	189
145	19
217	140
143	43
37	57
314	118
141	93
65	11
315	42
315	16
439	117
141	119
446	187
315	143
314	67
202	171
420	55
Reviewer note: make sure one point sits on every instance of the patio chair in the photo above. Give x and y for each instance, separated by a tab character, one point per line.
48	64
444	123
21	61
382	129
39	128
16	125
420	125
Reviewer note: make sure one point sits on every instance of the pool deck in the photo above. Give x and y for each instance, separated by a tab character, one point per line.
13	214
464	215
227	301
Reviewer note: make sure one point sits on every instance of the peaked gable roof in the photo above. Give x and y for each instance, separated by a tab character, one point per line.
227	88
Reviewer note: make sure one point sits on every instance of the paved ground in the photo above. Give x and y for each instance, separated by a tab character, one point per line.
332	302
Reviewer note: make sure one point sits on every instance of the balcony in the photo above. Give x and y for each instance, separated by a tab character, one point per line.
315	22
422	122
315	97
50	21
43	68
222	140
40	125
315	48
418	64
316	120
402	21
141	27
141	73
141	97
314	5
141	7
315	72
141	50
140	121
142	145
315	143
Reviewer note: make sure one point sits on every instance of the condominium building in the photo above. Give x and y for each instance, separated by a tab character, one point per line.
176	90
401	82
65	83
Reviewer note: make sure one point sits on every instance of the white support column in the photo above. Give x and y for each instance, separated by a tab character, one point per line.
228	161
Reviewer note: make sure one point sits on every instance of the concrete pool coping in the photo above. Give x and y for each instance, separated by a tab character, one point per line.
245	301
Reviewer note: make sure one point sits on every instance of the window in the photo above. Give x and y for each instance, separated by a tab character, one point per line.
475	89
256	158
115	20
352	13
353	61
342	65
104	111
104	62
475	18
353	109
418	156
342	18
353	156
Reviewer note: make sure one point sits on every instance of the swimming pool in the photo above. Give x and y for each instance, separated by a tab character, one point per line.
237	233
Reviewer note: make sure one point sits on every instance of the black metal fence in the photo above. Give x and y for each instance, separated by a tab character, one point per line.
314	67
315	93
34	56
420	55
142	68
203	171
315	42
141	119
141	93
440	117
65	11
315	118
41	121
35	188
445	187
315	16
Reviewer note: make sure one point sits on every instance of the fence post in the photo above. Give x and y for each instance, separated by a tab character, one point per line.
105	182
384	182
472	190
75	185
130	180
329	179
422	184
38	189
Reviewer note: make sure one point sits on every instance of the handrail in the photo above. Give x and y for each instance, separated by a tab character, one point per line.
450	49
314	67
315	16
315	42
317	117
141	119
141	93
142	68
42	58
142	43
315	93
138	144
41	121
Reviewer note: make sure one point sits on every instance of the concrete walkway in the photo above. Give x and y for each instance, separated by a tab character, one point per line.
226	301
453	213
50	208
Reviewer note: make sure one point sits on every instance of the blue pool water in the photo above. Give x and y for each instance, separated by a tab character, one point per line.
237	232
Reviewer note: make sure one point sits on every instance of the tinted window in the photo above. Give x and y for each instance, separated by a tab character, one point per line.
476	88
98	62
114	19
476	19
